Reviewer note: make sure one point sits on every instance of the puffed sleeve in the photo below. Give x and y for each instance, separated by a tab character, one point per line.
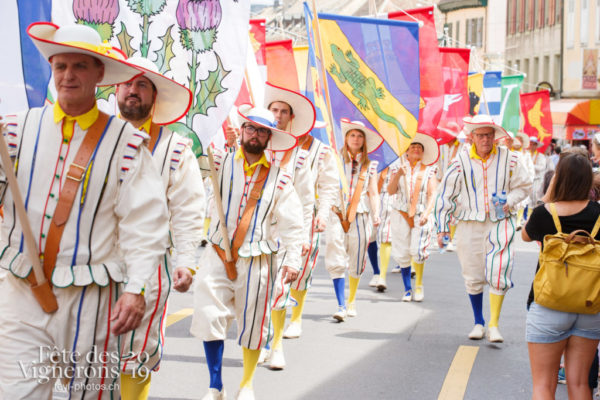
141	209
448	191
328	182
187	203
289	225
521	181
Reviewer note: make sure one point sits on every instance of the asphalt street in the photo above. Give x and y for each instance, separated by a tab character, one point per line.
391	350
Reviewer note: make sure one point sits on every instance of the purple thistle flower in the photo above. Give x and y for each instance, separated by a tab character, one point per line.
198	21
96	11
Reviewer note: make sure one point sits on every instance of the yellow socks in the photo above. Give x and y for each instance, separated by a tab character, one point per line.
134	387
353	286
385	250
418	267
520	216
495	307
250	361
452	230
278	321
300	296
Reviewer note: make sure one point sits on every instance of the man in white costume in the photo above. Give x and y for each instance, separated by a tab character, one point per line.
414	184
90	174
483	237
256	198
148	102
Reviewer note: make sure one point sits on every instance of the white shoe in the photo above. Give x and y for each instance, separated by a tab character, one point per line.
277	361
214	394
351	312
396	270
493	335
265	355
451	247
477	333
293	331
245	393
381	285
340	314
374	280
419	294
407	296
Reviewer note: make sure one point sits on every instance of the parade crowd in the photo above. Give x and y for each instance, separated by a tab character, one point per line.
119	206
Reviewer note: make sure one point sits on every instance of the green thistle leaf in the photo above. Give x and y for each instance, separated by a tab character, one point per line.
105	30
165	53
186	131
125	41
210	88
104	92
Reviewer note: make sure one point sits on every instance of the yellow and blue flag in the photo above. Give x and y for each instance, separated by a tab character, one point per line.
373	76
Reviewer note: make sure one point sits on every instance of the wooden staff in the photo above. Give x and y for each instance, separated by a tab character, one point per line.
42	291
229	263
317	30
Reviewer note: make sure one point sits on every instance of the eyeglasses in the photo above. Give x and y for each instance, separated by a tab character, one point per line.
260	132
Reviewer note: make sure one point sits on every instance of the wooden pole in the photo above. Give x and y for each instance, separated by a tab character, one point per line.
42	291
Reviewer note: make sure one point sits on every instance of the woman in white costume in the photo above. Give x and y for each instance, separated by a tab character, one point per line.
349	230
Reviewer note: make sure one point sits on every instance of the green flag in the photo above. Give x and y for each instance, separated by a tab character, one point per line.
509	110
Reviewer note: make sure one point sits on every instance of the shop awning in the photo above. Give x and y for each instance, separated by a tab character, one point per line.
584	113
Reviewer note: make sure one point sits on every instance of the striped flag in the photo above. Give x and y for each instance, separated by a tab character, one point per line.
24	76
492	95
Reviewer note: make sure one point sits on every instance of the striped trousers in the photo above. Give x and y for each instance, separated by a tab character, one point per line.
347	251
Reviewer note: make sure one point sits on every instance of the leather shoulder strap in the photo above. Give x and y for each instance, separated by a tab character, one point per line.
242	228
75	175
414	196
552	207
382	179
286	158
351	211
307	142
596	228
154	135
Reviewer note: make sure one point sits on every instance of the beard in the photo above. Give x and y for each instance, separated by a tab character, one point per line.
255	147
135	113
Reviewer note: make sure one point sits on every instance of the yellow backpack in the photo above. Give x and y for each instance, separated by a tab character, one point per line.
569	276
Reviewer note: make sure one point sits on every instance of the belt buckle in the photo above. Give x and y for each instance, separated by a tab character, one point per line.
82	169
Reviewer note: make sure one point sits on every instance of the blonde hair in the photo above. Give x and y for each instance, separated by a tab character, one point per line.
364	157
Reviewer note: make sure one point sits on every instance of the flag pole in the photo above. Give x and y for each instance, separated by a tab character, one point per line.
42	291
317	31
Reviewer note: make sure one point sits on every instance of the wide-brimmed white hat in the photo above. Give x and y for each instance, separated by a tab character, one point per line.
372	138
172	99
51	40
303	109
481	121
524	138
280	140
431	150
533	139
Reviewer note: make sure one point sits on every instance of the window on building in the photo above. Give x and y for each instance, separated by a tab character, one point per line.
526	71
557	71
527	14
570	23
458	41
558	10
546	12
536	13
536	70
546	74
447	35
584	18
509	17
479	32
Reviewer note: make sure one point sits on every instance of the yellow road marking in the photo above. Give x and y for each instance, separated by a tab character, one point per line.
458	374
179	315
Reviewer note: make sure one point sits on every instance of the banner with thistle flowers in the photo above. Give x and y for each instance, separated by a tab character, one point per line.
199	43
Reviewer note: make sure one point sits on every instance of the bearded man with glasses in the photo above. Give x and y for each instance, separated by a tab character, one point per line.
486	227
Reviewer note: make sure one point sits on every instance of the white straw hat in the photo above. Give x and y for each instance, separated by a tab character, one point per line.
481	121
51	40
280	140
373	139
431	150
172	99
304	111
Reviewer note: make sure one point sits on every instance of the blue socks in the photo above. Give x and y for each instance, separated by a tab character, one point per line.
214	360
477	304
406	278
339	285
372	251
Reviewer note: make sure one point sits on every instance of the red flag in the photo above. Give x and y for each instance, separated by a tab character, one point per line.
258	40
455	74
281	65
535	107
430	68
